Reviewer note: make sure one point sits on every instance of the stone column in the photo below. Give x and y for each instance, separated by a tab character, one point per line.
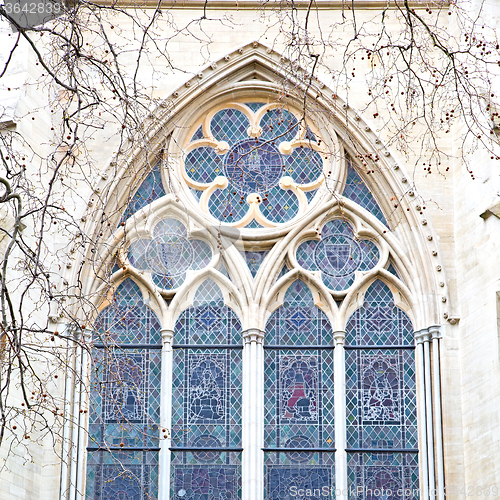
419	362
435	332
165	415
340	415
253	415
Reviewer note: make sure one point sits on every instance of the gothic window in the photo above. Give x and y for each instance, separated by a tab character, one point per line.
206	399
298	384
124	400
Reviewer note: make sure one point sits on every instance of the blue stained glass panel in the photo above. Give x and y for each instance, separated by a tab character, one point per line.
303	165
394	474
198	134
203	164
338	255
254	260
279	205
228	205
381	399
122	475
279	125
150	190
254	106
356	190
392	270
127	319
379	321
229	125
298	321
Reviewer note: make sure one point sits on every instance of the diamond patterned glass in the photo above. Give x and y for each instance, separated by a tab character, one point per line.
198	134
150	190
392	476
279	125
169	254
356	190
253	165
124	399
254	260
338	255
378	322
230	125
206	399
254	106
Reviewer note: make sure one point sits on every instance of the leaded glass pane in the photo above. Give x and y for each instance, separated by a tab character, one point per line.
198	134
122	475
299	475
379	321
303	165
392	476
298	321
228	205
150	190
254	260
393	271
356	190
206	397
381	399
338	255
127	319
203	164
213	479
230	125
254	106
279	125
298	399
279	205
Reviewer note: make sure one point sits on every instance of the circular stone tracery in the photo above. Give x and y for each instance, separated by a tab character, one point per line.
338	255
253	167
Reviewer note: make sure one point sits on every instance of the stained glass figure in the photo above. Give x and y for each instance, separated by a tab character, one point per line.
124	399
254	165
206	399
150	190
381	392
254	260
338	255
298	384
356	190
169	254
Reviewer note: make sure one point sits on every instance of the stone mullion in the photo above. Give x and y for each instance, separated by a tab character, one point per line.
165	415
253	415
339	387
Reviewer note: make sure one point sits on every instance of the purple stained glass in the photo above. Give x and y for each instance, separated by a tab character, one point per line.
284	481
253	167
207	383
299	389
380	389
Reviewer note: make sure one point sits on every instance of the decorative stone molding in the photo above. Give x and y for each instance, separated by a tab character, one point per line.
253	335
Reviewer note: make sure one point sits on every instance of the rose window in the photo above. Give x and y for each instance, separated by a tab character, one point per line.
254	165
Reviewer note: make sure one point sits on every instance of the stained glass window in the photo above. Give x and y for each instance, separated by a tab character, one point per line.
169	254
206	399
124	399
338	255
381	395
356	190
150	190
246	151
298	412
254	260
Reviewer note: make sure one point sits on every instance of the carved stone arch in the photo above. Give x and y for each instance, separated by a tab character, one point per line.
152	299
185	296
403	298
322	298
238	71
